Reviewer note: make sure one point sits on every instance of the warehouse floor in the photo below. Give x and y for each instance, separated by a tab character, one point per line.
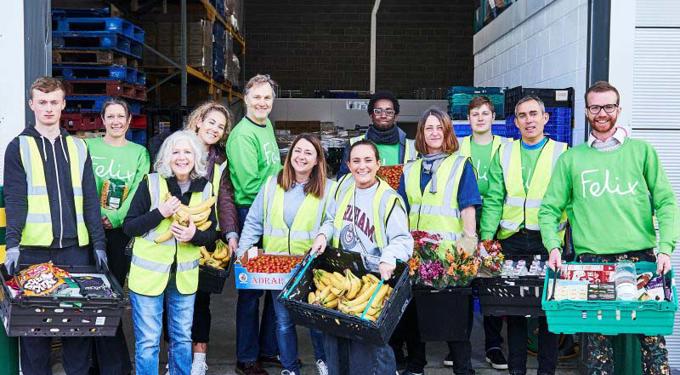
222	358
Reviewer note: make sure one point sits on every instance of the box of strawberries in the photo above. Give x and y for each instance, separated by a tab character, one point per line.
265	271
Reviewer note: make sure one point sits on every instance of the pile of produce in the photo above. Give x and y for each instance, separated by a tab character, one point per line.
348	293
218	259
199	215
267	263
391	174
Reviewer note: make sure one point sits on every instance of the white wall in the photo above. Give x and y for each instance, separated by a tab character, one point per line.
536	43
12	95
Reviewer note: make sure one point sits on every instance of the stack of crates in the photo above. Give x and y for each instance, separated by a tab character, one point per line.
459	97
219	50
98	57
559	104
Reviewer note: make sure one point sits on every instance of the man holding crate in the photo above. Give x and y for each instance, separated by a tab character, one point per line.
52	212
518	177
616	187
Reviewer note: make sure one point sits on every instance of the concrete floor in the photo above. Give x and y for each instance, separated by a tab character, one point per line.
222	350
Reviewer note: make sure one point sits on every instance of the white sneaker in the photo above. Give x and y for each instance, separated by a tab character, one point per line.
167	369
199	368
321	367
286	372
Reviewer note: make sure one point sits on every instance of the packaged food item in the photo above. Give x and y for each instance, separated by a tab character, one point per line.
626	284
574	290
94	286
594	273
601	292
41	279
113	193
643	279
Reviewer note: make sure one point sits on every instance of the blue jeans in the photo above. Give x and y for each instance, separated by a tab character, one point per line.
253	339
147	319
317	343
357	358
286	337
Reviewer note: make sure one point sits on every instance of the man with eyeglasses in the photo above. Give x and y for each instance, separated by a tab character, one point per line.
394	148
615	186
518	178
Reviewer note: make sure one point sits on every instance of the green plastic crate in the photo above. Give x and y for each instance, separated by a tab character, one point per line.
612	317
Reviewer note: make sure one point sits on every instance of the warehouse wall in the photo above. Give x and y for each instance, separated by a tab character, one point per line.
325	44
539	43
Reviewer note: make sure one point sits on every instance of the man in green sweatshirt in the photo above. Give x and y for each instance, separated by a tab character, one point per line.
518	177
481	147
253	155
616	186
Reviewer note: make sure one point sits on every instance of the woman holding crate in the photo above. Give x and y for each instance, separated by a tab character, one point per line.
212	122
441	195
167	219
118	166
286	214
366	216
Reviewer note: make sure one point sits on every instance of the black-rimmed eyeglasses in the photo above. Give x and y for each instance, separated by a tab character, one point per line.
608	108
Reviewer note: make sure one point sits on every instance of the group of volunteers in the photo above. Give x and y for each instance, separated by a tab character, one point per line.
95	202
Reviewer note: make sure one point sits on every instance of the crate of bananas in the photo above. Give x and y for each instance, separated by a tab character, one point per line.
214	268
335	293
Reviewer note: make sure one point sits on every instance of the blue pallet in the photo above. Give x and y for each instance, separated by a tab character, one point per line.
80	12
95	103
137	136
120	73
105	24
557	132
97	40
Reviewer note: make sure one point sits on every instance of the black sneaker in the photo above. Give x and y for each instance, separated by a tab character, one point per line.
496	359
267	360
448	360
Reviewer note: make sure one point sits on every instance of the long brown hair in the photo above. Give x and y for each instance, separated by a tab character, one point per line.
317	179
450	144
198	115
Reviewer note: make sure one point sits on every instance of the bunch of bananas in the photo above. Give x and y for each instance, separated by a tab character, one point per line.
348	293
217	259
199	215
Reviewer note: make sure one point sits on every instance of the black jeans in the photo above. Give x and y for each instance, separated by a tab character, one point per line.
493	325
522	244
111	354
200	329
35	351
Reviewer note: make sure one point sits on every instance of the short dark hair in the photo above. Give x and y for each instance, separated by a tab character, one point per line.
602	86
479	101
380	95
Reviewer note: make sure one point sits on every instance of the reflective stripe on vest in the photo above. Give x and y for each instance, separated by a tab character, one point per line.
151	262
216	179
383	202
466	147
38	228
410	153
439	212
521	206
296	240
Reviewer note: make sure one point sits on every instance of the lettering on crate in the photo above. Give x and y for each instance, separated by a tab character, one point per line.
596	183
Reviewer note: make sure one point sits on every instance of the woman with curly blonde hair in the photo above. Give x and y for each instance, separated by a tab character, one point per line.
212	122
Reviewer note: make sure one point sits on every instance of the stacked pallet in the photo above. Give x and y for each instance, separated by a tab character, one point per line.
98	57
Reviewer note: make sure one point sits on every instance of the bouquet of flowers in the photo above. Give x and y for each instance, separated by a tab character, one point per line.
490	255
438	267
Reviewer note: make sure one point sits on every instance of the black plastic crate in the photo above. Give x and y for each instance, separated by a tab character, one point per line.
512	296
340	324
62	316
455	304
550	97
211	279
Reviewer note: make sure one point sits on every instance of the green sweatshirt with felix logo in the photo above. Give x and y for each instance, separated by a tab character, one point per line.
253	156
615	197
